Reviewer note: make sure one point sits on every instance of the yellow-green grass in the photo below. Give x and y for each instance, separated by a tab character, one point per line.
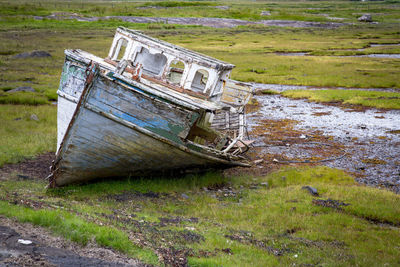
24	137
253	49
389	100
280	215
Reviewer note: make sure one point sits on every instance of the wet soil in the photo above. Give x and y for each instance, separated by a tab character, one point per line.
208	22
36	168
47	250
363	142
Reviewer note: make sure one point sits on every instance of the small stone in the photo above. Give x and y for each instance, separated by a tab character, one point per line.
313	191
265	13
34	117
24	242
275	160
303	136
184	196
222	7
258	161
22	89
365	18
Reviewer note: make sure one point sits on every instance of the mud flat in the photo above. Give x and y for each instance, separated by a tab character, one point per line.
208	22
364	142
43	249
259	87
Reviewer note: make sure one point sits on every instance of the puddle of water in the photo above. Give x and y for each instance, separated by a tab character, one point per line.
292	54
379	45
396	56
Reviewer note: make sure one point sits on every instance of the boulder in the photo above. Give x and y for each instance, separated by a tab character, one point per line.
32	55
22	89
365	18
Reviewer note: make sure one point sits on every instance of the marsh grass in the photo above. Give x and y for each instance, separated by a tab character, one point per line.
21	136
388	100
278	215
23	98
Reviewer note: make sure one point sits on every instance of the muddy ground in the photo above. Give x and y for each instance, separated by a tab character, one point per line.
47	250
208	22
364	142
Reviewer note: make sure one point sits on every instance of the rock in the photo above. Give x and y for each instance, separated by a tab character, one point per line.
303	136
34	117
265	13
275	160
264	184
258	161
22	89
222	7
24	242
184	196
32	54
313	191
365	18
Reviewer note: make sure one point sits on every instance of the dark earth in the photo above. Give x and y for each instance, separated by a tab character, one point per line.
46	250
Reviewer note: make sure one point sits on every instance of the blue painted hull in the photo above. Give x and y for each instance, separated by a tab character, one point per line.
120	129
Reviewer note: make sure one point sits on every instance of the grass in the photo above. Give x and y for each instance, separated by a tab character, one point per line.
250	225
21	136
23	98
388	100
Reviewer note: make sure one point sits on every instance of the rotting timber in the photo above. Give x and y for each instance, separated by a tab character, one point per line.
148	106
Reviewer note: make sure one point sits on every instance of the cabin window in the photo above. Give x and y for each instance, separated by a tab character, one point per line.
152	64
200	80
120	49
175	72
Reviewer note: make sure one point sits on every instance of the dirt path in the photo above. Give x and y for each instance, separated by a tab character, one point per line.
47	250
364	142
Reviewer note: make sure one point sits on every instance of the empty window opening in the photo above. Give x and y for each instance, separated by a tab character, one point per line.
120	49
175	72
200	80
153	64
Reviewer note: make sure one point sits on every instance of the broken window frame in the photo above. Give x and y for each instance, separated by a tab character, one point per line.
117	49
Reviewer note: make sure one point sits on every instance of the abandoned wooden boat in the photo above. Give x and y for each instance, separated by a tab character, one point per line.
148	106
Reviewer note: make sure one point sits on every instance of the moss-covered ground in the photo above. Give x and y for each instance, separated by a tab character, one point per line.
212	219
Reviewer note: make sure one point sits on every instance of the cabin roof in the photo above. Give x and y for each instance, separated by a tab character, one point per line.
174	49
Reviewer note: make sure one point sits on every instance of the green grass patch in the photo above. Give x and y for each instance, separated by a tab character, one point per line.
23	98
23	137
389	100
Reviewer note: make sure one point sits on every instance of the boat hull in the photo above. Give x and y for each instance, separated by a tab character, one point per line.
111	128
